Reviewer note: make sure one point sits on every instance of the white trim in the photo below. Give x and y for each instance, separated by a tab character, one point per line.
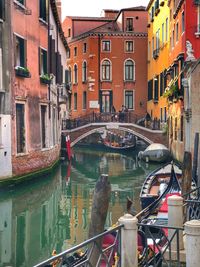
21	102
43	48
75	64
20	36
84	61
127	90
105	51
102	80
125	41
134	65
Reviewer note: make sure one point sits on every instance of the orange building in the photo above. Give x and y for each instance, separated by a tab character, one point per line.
107	61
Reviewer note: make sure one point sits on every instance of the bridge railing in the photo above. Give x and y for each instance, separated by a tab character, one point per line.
127	117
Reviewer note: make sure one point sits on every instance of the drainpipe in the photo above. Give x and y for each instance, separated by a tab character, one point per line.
49	59
99	69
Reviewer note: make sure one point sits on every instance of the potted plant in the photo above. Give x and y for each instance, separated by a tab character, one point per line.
45	78
22	72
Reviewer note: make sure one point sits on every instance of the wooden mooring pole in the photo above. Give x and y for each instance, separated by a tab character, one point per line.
187	172
99	211
195	158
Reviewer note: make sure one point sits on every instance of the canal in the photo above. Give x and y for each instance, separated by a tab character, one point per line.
53	211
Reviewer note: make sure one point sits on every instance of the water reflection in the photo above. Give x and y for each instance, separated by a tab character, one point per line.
53	212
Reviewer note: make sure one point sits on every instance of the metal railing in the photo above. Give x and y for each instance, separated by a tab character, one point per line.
158	246
192	204
127	117
109	253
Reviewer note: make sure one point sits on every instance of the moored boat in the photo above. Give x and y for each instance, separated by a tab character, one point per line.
155	152
159	182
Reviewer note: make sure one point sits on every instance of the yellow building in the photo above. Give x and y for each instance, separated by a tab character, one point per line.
158	58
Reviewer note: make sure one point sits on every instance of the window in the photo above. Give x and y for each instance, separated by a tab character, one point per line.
152	13
75	101
43	61
161	114
68	53
84	71
1	71
183	21
177	32
69	76
129	100
106	70
181	133
69	32
156	84
22	2
75	74
149	50
158	39
84	47
163	33
198	19
150	90
152	46
166	30
129	46
43	126
129	24
165	114
106	46
2	9
129	70
43	10
172	40
161	83
20	128
75	51
175	128
84	100
20	52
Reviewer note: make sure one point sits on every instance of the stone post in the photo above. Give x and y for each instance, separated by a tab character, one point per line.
129	241
175	219
192	231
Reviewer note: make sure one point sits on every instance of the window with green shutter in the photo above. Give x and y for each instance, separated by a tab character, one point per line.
2	9
43	9
20	52
42	61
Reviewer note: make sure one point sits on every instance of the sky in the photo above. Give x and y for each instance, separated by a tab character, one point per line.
93	8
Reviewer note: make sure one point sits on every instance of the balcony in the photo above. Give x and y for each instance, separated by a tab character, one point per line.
22	72
156	53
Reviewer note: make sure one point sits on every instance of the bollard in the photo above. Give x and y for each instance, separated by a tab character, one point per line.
175	219
192	231
129	242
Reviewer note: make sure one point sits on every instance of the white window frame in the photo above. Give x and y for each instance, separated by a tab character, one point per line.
127	90
125	47
129	59
105	51
84	77
101	72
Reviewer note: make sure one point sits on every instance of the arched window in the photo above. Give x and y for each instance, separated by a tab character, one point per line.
69	75
106	70
84	71
129	70
75	74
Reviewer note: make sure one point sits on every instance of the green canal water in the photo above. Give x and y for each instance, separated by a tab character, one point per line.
53	211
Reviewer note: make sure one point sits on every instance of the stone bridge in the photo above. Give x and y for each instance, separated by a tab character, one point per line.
147	135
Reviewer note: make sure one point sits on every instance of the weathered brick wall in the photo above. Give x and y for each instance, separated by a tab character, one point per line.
34	161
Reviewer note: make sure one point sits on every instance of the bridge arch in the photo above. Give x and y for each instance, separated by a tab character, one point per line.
97	129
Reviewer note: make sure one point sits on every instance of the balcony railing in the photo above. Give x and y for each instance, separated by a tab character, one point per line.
196	2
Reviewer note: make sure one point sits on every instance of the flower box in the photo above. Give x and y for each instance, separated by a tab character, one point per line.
22	72
45	79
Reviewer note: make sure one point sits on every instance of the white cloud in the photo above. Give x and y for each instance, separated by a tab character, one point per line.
93	8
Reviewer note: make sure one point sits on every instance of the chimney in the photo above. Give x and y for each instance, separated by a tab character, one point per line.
59	8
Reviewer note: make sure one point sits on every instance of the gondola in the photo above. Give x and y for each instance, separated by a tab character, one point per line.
119	148
158	183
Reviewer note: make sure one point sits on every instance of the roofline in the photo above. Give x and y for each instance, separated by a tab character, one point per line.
57	20
91	18
149	4
131	9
